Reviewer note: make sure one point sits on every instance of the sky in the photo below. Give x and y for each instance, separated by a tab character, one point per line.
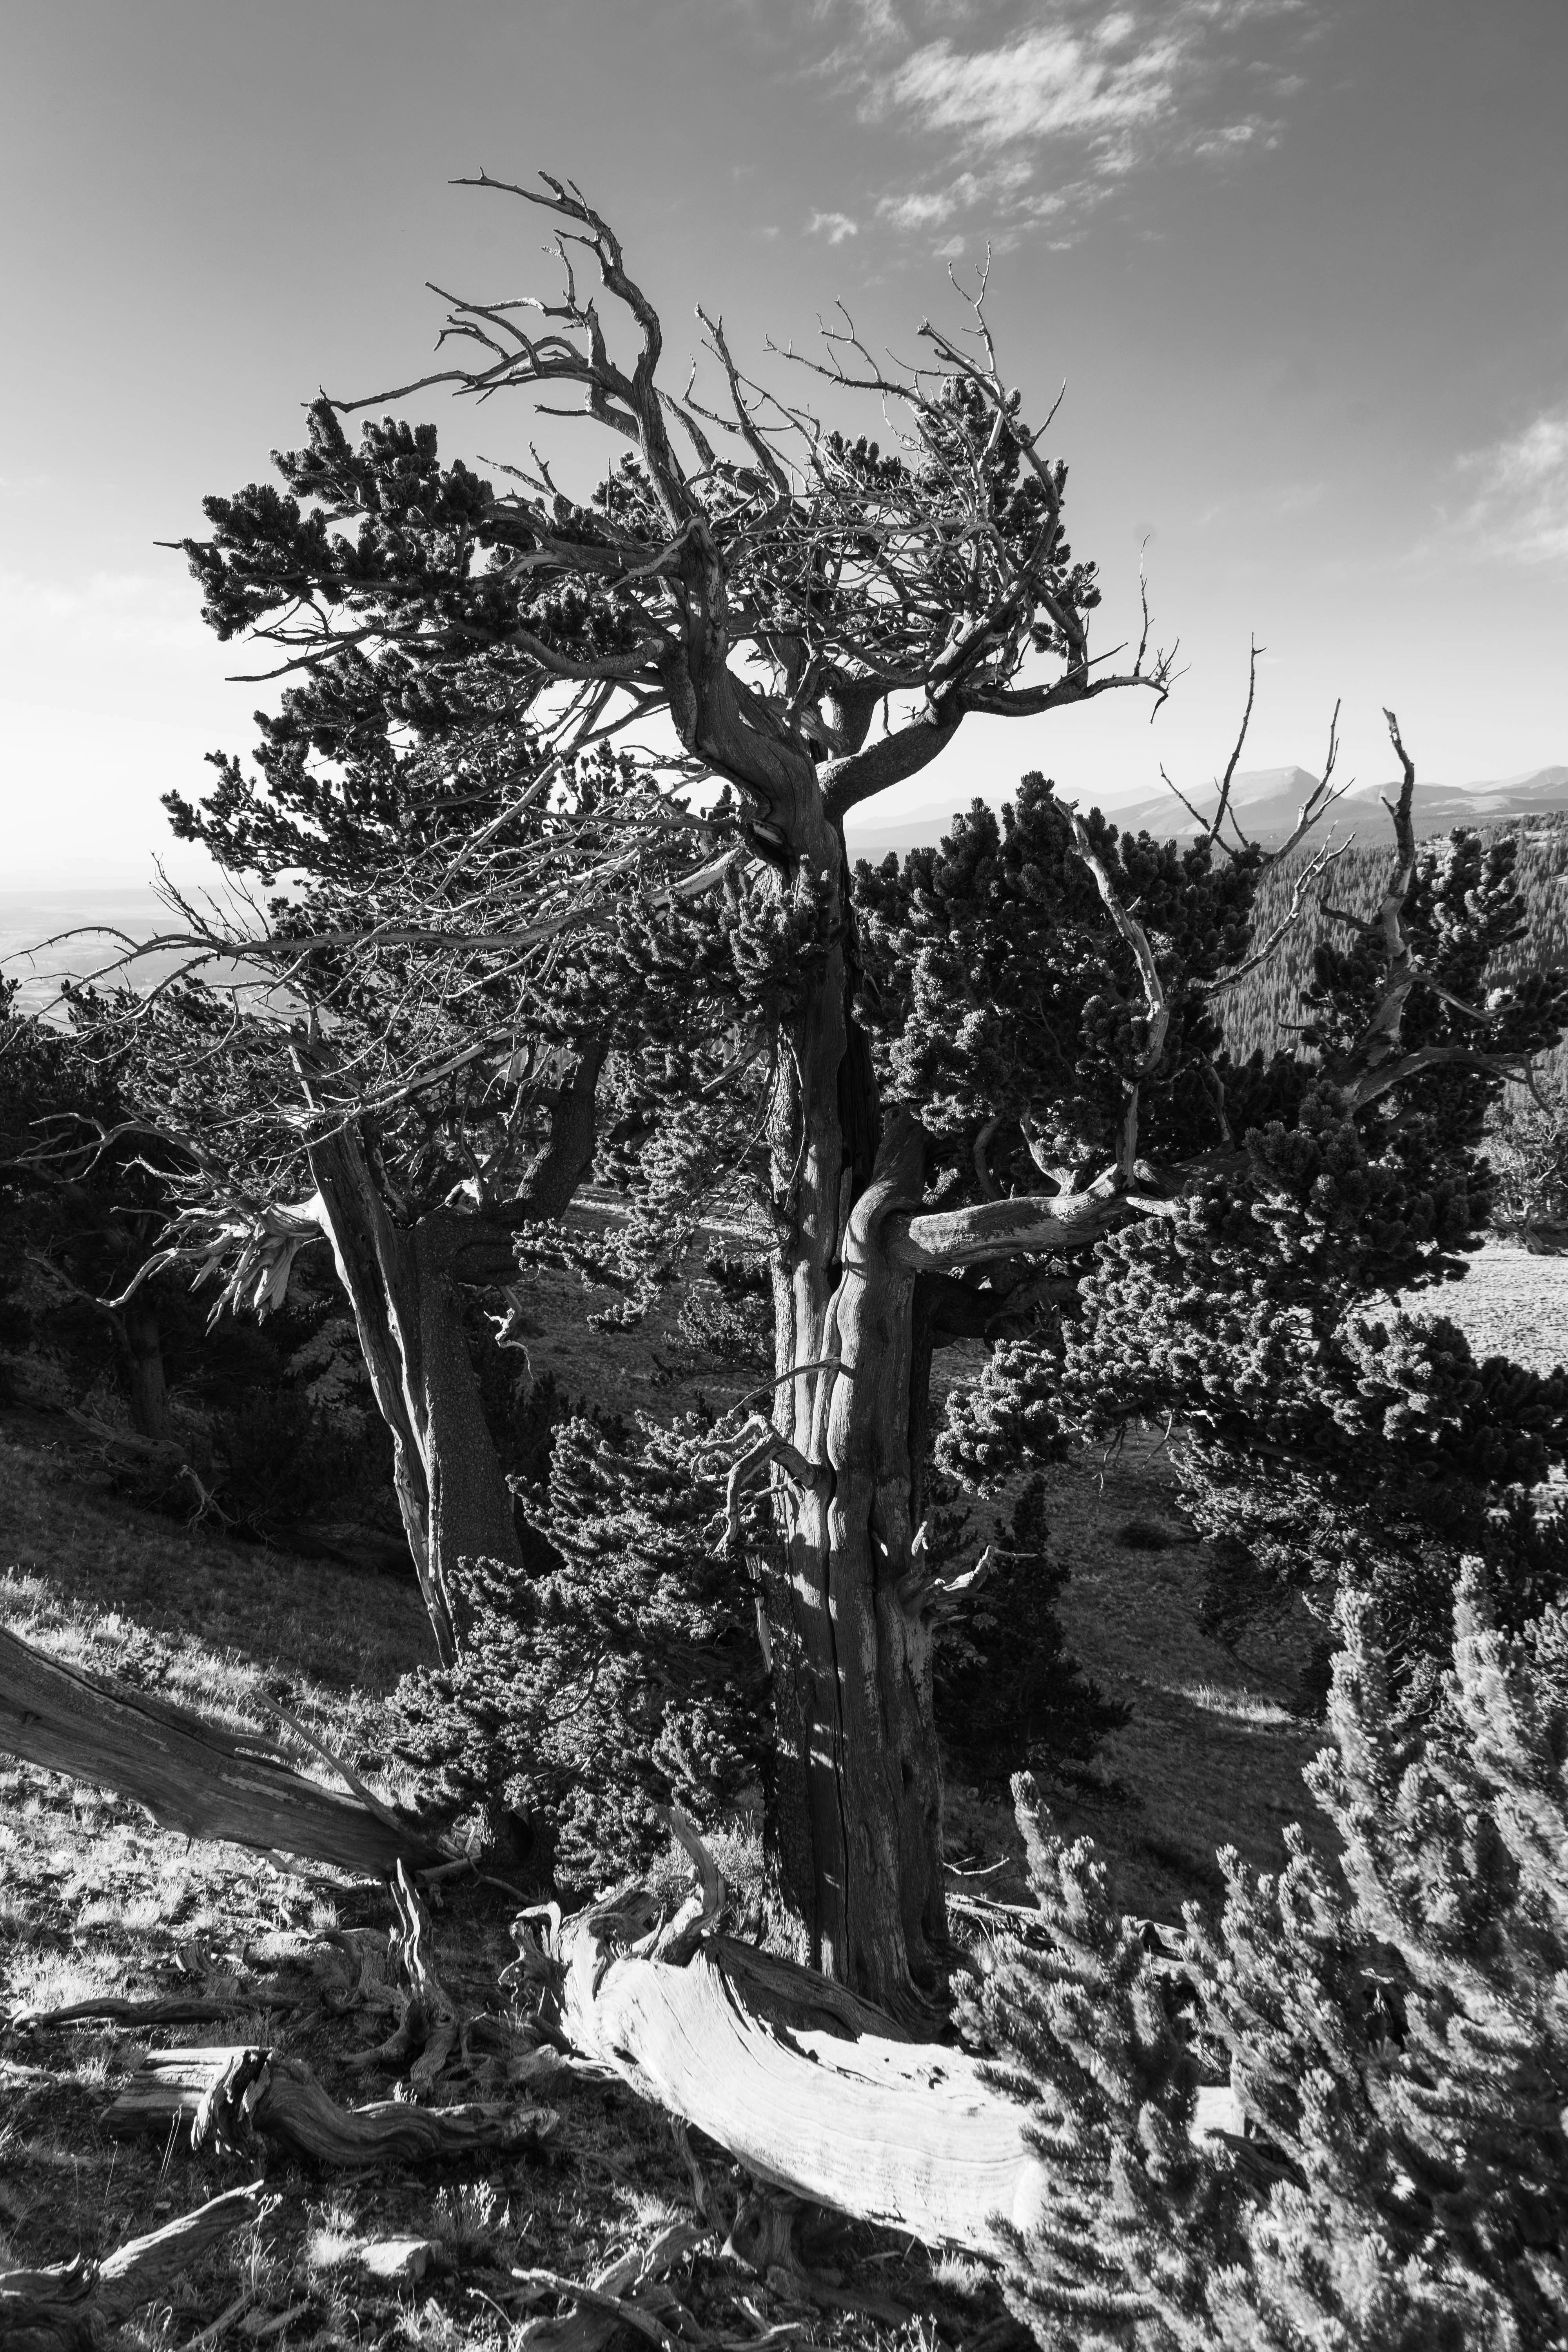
1302	266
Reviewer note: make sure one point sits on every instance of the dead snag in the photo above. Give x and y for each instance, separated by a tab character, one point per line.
190	1774
72	2306
234	2097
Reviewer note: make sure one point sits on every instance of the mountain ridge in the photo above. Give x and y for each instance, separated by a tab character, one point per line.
1266	801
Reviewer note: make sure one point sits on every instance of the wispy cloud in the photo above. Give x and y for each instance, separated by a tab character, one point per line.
1518	506
1044	82
931	207
833	227
1067	105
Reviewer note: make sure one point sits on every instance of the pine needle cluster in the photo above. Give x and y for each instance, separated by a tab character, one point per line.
1337	2116
626	1677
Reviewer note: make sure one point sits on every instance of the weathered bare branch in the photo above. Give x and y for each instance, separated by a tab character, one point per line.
191	1775
72	2306
1157	1009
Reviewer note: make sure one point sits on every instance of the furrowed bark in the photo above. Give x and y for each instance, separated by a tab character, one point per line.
857	1801
191	1775
73	2306
894	1922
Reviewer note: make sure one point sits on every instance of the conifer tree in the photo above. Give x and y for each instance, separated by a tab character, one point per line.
1338	2115
1238	1283
626	1677
91	1236
942	1086
767	584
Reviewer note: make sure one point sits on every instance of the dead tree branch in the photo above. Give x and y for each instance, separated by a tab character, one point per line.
72	2306
191	1775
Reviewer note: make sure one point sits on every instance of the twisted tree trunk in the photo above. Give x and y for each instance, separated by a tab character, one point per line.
856	1812
863	1289
858	1781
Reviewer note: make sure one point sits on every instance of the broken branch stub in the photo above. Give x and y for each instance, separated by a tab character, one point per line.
234	2097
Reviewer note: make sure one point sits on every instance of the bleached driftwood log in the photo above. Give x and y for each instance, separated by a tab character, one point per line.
814	2090
74	2306
231	2096
191	1775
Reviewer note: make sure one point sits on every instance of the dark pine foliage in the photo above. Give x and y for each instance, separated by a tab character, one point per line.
1337	2116
1324	1433
626	1673
1010	1694
628	1677
997	989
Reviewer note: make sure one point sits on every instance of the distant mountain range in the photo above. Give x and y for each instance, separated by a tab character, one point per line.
1267	799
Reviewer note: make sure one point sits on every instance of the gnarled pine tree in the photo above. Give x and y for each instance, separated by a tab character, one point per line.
1037	1003
767	588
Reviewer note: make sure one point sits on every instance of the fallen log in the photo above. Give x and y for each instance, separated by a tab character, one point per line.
232	2096
74	2306
113	2009
787	2071
814	2090
190	1774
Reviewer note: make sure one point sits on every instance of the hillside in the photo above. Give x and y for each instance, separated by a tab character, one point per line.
1258	1010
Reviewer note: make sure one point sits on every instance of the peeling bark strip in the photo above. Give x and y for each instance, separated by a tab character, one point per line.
905	2134
232	2096
190	1775
73	2306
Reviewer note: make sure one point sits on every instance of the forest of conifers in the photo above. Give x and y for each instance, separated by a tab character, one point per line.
1259	1009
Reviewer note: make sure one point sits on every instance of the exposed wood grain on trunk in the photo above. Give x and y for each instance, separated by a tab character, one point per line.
191	1775
894	1919
907	2134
